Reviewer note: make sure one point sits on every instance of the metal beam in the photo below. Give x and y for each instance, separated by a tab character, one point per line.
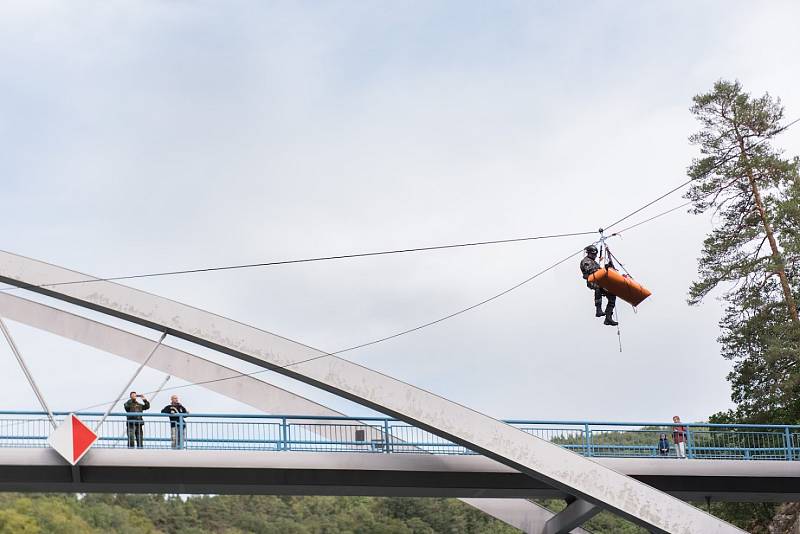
538	458
574	515
529	523
354	473
224	380
27	372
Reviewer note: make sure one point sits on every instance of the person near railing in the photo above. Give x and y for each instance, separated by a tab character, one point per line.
679	437
135	422
663	445
177	424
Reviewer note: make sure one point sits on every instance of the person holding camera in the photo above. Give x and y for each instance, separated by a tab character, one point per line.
177	423
135	422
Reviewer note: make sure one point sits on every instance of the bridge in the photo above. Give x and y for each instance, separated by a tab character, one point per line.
425	445
335	455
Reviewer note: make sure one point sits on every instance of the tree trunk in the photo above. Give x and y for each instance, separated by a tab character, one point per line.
777	257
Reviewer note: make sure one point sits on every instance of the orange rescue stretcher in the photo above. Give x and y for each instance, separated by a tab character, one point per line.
620	285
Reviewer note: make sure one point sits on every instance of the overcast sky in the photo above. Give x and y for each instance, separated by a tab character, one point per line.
147	136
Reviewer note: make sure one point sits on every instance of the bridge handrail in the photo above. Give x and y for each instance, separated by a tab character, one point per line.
515	422
253	431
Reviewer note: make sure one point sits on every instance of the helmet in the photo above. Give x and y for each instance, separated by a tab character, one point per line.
591	249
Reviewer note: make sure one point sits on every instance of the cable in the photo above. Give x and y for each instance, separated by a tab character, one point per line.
407	331
665	195
619	232
379	340
441	319
408	250
314	259
416	328
716	166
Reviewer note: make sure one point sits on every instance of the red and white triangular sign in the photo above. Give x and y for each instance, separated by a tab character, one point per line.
72	439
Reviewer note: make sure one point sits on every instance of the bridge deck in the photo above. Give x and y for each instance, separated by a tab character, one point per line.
307	473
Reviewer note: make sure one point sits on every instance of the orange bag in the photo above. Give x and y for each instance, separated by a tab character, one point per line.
624	287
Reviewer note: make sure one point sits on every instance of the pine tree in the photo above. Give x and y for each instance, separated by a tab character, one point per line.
753	252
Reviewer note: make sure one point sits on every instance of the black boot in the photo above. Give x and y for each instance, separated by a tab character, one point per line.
609	321
599	310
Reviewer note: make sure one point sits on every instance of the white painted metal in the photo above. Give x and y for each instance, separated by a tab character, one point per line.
215	377
27	372
560	468
130	381
574	515
529	523
224	380
159	389
60	440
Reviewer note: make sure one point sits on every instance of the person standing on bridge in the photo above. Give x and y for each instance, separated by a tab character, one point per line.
679	437
588	266
135	422
663	445
177	424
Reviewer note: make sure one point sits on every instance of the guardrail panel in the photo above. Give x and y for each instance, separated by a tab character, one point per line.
385	435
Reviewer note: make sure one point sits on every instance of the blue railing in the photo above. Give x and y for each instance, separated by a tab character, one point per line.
386	435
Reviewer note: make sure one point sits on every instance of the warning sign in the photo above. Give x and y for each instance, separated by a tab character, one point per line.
72	439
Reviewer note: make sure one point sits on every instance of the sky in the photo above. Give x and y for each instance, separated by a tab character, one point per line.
149	136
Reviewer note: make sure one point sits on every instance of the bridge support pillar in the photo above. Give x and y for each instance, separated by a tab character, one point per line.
574	515
530	520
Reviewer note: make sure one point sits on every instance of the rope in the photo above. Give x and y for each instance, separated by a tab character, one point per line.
619	262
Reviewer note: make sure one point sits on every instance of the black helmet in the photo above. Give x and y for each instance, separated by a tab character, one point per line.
591	249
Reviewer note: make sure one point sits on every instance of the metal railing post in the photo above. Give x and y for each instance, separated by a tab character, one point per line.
386	437
586	439
689	442
787	436
589	441
283	445
181	431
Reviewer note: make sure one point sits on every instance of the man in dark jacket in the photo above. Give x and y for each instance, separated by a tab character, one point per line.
135	422
588	266
177	423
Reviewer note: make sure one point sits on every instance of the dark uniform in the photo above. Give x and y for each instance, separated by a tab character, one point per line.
588	266
177	424
135	422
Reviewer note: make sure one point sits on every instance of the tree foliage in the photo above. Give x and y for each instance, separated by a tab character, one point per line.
246	514
753	251
157	514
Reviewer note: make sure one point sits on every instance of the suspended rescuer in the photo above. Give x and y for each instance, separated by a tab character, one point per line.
135	422
588	266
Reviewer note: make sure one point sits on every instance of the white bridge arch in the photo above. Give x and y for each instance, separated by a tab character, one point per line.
592	484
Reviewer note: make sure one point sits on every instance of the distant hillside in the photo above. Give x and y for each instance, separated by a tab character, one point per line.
156	514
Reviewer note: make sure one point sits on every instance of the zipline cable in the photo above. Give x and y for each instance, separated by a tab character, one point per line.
419	249
420	327
409	250
313	259
714	167
379	340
